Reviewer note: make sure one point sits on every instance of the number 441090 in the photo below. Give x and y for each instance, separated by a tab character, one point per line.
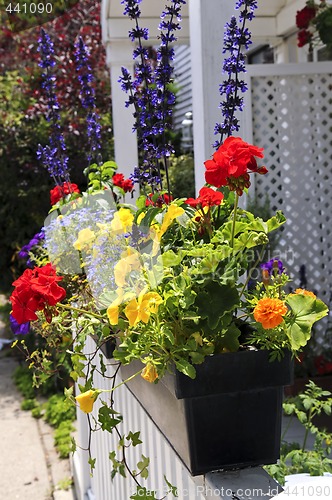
29	8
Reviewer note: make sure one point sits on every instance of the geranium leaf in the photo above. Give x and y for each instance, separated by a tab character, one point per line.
306	311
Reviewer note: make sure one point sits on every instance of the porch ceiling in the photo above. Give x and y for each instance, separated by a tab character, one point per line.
274	18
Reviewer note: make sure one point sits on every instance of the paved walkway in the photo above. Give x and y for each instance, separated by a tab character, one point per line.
30	468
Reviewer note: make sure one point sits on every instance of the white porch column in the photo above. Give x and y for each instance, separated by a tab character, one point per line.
207	20
119	53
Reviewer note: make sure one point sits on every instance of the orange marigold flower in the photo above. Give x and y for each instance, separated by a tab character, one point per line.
302	291
270	312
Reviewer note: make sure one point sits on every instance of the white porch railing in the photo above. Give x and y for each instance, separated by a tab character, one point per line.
253	483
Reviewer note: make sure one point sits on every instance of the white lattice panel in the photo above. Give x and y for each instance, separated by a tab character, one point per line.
292	120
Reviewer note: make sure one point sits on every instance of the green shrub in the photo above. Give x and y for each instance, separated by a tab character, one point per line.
296	458
23	379
58	410
182	176
28	404
62	438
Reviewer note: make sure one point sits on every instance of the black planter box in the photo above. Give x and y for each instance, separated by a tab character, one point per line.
228	417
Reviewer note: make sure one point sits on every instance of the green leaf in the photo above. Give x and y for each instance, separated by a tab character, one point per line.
288	408
92	463
171	259
216	301
108	418
276	221
230	337
185	367
143	467
306	311
196	357
134	437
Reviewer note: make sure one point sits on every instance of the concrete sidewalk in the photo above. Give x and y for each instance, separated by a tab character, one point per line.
29	464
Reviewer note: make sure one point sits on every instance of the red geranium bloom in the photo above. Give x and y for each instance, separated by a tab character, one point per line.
303	37
34	291
231	164
24	305
128	185
118	180
60	192
304	16
45	284
208	197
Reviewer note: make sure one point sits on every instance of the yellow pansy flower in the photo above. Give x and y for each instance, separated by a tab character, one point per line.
140	309
132	256
86	400
172	213
121	269
122	220
85	238
113	314
137	311
149	373
154	300
140	218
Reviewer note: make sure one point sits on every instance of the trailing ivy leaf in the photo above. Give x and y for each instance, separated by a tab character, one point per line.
118	466
143	466
134	437
108	418
102	364
92	463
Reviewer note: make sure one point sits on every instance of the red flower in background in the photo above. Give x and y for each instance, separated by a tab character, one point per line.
303	37
304	16
34	291
126	184
322	365
208	197
60	192
118	179
232	163
158	200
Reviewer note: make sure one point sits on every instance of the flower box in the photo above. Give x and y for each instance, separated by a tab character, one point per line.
228	417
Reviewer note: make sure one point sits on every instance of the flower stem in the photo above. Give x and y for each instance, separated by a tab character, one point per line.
77	309
236	204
